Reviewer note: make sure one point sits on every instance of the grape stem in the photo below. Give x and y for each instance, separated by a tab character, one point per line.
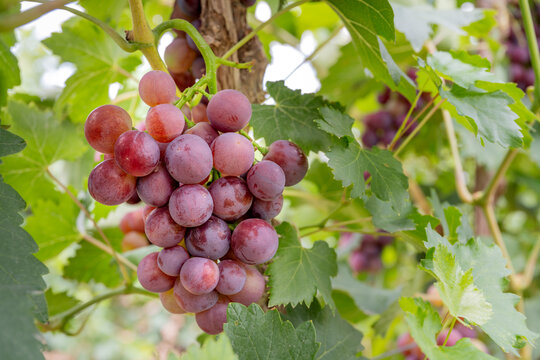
449	331
10	22
261	149
528	25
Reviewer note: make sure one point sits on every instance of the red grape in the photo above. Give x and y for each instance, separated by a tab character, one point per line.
104	125
136	152
229	110
189	159
233	154
133	240
290	158
266	180
211	321
210	240
205	131
199	275
162	230
156	188
179	56
193	303
157	87
191	205
232	277
254	241
151	277
168	300
266	210
132	221
165	122
183	80
134	199
110	185
171	259
253	289
198	113
231	197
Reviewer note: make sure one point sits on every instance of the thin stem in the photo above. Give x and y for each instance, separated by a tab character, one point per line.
415	119
406	120
117	38
338	225
491	219
528	25
108	250
247	65
10	22
449	331
91	218
489	194
528	273
261	149
252	34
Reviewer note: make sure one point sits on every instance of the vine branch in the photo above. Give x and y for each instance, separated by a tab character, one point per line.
10	22
528	25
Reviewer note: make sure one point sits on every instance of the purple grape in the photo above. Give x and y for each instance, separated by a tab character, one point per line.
104	125
191	205
369	138
383	97
199	275
253	288
151	277
210	240
290	158
254	241
231	197
266	210
162	230
156	188
136	152
232	277
188	159
198	68
379	120
134	199
171	259
266	180
233	154
179	56
193	303
229	110
205	131
157	87
190	7
110	185
211	321
518	54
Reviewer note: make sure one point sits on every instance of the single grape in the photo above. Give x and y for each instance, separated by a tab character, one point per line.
290	158
205	131
193	303
388	137
379	120
151	277
136	152
253	288
266	210
518	54
197	25
266	180
178	13
157	87
369	138
168	300
104	125
156	188
233	154
171	259
210	240
179	56
254	241
132	221
188	159
162	230
134	199
198	114
165	122
229	110
454	337
133	240
199	275
183	80
190	7
232	277
198	68
191	205
110	185
211	321
383	97
231	197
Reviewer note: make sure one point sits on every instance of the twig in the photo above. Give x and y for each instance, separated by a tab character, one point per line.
108	250
10	22
261	149
489	194
491	219
528	25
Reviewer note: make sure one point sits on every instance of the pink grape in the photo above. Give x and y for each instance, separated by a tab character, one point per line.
199	275
210	240
229	110
188	159
136	152
132	221
133	240
253	288
233	154
104	125
205	131
165	122
171	259
193	303
168	300
156	188
191	205
231	197
266	180
151	277
162	230
232	277
179	56
266	210
211	321
110	185
290	158
157	87
254	241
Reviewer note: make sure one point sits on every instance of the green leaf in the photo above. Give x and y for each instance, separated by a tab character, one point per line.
364	21
9	72
335	122
218	348
291	118
416	22
417	237
339	340
460	67
59	302
109	13
452	216
386	218
21	282
99	61
369	299
424	324
47	141
258	335
349	161
297	273
10	143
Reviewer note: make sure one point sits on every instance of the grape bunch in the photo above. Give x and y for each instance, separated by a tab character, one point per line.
367	256
521	71
207	204
381	126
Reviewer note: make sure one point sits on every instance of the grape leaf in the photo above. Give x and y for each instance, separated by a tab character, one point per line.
507	326
460	67
365	20
417	237
47	141
349	161
291	118
59	302
296	272
339	340
99	62
109	13
9	72
424	324
218	348
416	22
21	282
258	335
335	122
386	218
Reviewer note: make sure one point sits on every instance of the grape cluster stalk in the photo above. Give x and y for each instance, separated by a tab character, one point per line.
208	205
